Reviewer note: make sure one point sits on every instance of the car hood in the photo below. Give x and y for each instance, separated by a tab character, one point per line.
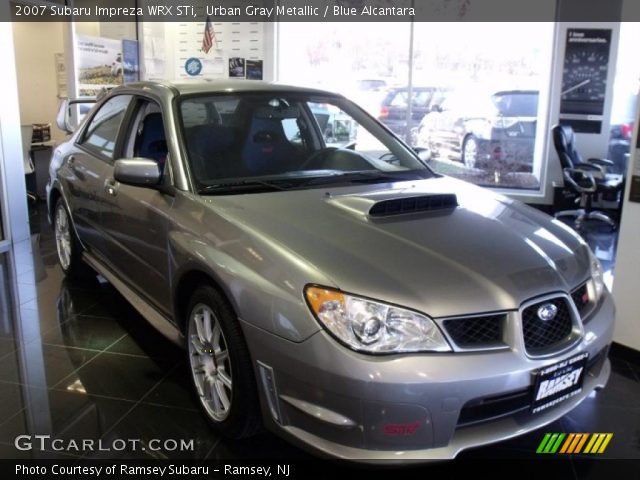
489	253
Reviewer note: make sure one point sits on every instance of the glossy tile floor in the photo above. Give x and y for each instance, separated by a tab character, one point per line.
77	362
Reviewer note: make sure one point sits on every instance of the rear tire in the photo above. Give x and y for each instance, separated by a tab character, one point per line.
220	365
67	245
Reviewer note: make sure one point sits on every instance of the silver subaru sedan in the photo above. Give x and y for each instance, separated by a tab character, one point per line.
325	283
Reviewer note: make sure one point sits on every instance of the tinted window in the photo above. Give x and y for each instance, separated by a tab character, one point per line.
517	104
421	98
102	132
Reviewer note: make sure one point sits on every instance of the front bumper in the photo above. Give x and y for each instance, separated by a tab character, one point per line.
342	404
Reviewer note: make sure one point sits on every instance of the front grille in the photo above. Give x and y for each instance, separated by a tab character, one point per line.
543	336
580	297
476	332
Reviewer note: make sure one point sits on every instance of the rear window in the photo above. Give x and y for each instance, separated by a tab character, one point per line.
517	104
421	98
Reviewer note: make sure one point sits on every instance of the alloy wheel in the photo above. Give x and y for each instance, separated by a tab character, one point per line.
470	152
63	237
210	362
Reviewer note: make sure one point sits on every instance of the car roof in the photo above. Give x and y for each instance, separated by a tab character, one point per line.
217	86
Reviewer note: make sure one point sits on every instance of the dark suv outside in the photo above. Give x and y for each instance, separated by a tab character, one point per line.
477	129
393	109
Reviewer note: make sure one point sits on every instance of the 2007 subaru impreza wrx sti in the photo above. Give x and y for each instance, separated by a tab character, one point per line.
332	288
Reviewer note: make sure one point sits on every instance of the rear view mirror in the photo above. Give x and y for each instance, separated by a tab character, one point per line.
279	113
72	112
141	172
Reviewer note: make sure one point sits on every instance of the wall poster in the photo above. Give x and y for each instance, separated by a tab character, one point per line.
584	78
236	67
98	64
130	61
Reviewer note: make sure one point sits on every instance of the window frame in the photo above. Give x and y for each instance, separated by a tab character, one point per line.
118	144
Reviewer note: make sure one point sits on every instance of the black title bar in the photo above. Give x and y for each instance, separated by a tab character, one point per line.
321	11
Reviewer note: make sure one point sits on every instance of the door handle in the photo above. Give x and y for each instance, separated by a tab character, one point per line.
111	187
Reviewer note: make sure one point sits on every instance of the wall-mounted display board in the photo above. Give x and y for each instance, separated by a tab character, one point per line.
584	78
231	41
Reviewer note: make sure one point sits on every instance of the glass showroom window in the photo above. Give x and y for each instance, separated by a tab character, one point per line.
359	60
488	124
478	96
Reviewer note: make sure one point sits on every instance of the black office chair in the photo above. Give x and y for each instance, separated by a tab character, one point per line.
587	179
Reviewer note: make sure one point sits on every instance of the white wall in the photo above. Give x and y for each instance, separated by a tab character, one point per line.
35	46
627	270
13	194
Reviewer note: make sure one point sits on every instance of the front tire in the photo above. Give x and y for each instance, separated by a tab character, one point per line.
220	365
67	244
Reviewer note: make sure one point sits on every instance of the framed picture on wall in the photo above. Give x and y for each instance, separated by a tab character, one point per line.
584	77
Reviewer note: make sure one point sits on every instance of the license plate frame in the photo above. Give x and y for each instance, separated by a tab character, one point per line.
556	383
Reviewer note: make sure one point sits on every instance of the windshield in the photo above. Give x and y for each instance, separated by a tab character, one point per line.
280	140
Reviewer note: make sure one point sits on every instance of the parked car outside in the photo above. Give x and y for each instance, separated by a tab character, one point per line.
393	109
331	294
477	128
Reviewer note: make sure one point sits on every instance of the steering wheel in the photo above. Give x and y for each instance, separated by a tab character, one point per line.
308	163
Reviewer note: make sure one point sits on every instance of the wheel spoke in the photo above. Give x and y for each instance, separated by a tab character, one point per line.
206	321
213	395
200	330
224	378
222	394
197	344
221	356
199	380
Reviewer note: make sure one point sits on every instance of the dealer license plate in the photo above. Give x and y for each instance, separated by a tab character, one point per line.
558	382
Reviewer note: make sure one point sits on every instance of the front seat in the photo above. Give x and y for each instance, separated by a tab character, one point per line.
266	149
151	142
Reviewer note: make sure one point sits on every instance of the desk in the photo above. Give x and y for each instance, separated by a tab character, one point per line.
41	155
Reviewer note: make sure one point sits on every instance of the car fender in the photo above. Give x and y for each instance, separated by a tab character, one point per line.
272	306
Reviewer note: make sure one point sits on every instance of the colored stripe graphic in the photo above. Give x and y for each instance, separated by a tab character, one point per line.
574	443
550	443
543	443
567	443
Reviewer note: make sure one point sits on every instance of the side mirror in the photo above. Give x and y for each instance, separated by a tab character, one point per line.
140	172
424	154
436	108
72	112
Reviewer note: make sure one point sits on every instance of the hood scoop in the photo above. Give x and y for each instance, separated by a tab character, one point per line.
405	205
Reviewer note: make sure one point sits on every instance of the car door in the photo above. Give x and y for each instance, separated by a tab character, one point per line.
87	167
137	220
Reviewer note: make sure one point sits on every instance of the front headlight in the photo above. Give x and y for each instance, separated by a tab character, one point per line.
597	276
374	327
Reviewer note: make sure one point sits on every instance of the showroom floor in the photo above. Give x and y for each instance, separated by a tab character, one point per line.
77	361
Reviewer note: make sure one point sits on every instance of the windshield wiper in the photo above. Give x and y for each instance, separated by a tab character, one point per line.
252	186
375	176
